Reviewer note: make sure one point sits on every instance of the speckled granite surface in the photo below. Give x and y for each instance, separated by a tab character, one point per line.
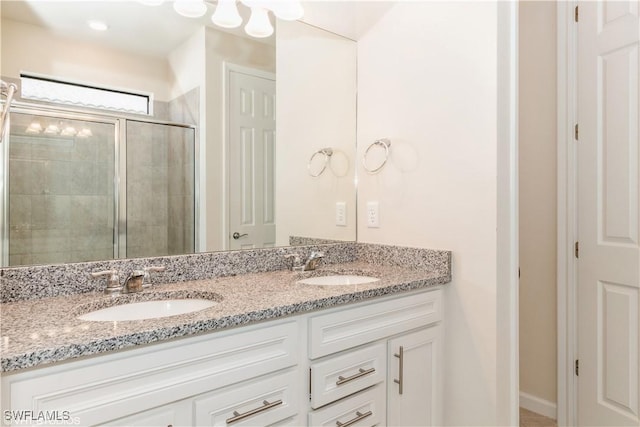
43	281
40	306
303	241
39	332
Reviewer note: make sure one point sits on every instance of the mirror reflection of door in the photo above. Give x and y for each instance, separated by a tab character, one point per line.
251	142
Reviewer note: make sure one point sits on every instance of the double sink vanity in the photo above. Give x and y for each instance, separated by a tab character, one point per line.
233	338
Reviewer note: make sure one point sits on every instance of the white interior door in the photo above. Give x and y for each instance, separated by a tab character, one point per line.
252	145
608	213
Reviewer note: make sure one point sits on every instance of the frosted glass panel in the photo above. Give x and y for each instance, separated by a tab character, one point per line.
160	189
61	193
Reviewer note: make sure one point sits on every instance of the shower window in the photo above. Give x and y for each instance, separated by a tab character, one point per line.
80	95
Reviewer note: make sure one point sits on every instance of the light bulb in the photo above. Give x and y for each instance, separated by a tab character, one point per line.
52	129
259	24
190	8
68	131
226	14
97	25
34	127
288	10
85	133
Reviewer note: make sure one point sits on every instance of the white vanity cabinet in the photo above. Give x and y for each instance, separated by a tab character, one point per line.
365	352
167	383
334	367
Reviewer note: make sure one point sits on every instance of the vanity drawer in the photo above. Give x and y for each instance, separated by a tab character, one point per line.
259	402
366	408
345	374
340	330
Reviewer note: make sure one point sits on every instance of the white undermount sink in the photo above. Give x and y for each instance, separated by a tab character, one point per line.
147	310
338	280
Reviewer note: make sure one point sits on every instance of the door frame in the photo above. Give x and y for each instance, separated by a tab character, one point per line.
567	223
227	69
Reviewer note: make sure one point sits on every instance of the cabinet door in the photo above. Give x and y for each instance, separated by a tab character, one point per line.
414	384
174	415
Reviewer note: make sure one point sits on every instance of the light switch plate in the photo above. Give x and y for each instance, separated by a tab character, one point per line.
373	215
341	214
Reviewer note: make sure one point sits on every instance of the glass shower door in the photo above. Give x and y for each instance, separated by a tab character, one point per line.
160	188
60	203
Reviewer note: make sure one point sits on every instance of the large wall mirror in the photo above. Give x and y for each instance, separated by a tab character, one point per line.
247	143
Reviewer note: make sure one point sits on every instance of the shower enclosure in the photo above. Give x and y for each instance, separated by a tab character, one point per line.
80	187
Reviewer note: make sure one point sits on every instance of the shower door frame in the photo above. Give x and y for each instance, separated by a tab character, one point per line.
120	169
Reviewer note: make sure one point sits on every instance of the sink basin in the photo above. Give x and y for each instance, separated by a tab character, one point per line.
338	280
147	310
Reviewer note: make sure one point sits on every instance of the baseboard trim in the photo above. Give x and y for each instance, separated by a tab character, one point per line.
537	405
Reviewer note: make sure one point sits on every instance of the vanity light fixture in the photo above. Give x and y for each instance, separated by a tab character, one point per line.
226	13
61	129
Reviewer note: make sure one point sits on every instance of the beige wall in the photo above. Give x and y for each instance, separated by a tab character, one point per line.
29	48
427	79
538	199
316	108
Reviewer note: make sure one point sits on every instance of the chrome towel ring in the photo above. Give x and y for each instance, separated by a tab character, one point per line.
327	153
385	143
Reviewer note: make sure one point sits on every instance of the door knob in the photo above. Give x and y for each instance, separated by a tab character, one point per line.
237	235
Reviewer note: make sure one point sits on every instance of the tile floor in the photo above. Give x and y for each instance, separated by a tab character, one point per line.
531	419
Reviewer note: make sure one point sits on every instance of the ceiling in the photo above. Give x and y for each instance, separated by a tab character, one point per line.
134	27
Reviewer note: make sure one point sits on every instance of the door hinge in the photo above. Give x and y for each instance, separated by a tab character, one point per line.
576	14
576	131
309	384
577	367
576	249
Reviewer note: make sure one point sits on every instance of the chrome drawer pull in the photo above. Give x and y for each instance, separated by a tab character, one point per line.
359	417
400	381
265	405
361	373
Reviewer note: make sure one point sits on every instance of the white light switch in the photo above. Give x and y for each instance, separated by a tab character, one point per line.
373	215
341	213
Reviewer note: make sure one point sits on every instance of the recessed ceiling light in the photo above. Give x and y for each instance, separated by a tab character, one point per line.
98	25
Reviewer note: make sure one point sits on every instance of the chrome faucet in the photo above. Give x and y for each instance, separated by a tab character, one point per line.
313	260
135	282
310	264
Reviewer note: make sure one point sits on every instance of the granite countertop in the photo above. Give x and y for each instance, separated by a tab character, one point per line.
42	331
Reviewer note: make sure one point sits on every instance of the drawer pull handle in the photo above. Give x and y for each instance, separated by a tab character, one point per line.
359	417
361	373
400	381
265	406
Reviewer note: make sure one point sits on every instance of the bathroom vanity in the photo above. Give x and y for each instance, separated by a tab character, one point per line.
271	351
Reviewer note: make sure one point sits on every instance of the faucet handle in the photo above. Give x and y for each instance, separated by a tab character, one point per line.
113	280
296	264
147	274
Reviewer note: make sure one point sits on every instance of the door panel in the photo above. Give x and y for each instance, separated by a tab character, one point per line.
251	161
608	213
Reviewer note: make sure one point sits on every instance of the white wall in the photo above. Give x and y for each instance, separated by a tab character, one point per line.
538	201
316	108
29	48
427	79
